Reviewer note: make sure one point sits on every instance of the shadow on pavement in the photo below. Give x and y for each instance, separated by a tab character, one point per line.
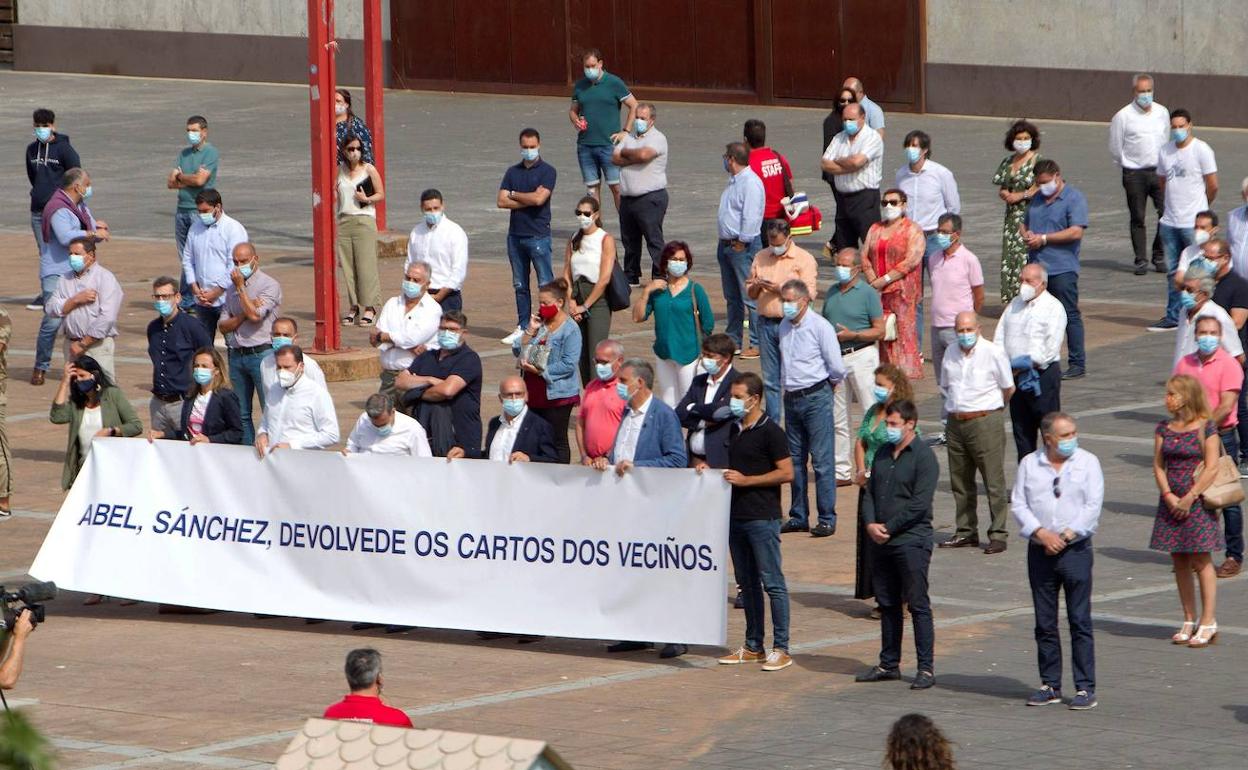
1133	556
1240	713
993	685
1135	630
1135	509
832	664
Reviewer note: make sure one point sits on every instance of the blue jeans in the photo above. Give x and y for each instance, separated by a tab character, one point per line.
523	252
36	227
182	221
734	268
1174	240
811	431
1069	571
48	326
245	377
755	549
769	354
596	163
1233	515
1065	287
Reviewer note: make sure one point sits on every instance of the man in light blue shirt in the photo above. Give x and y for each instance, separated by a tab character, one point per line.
1057	503
208	258
740	222
872	111
810	368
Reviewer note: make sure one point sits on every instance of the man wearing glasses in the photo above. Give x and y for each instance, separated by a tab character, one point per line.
172	339
1057	504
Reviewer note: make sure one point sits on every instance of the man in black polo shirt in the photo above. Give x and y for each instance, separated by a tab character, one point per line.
896	513
172	339
443	388
525	192
759	463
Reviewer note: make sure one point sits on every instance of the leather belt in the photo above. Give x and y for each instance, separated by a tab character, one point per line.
964	416
247	351
167	398
806	391
846	350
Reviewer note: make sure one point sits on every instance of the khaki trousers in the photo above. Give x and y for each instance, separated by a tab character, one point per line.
356	246
978	445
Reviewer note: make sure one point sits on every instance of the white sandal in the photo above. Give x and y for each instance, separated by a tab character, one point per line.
1184	635
1200	640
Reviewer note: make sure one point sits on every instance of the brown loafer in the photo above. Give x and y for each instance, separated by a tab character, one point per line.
995	546
960	542
1229	568
37	377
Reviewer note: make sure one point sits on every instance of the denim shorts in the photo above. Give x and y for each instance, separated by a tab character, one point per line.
597	159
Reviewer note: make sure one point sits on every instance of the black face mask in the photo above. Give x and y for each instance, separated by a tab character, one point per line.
85	385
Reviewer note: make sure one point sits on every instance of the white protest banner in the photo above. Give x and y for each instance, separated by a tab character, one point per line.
470	544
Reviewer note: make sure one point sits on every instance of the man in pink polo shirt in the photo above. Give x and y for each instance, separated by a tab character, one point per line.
957	287
602	409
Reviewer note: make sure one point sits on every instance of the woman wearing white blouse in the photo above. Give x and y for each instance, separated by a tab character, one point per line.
588	262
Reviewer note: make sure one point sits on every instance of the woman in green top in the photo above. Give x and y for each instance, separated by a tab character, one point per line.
92	406
682	317
891	384
1018	185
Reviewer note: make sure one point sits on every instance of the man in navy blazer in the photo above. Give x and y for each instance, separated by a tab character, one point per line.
518	434
704	410
649	435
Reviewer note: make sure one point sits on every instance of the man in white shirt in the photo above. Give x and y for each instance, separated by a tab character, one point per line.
978	383
302	415
382	430
1136	136
1197	302
1188	174
407	324
957	285
1237	233
443	245
208	258
285	332
1057	503
1205	230
1031	331
855	159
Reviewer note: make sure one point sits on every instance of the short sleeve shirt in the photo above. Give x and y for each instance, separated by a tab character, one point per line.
772	168
1231	293
754	452
1221	373
530	221
953	278
1185	169
600	106
642	178
466	406
366	708
855	308
189	161
1068	209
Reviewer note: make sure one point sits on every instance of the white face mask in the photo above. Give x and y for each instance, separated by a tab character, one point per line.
892	213
286	378
1048	188
1201	237
584	221
1027	292
1022	145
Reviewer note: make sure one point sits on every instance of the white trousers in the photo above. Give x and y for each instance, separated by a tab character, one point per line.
860	379
672	381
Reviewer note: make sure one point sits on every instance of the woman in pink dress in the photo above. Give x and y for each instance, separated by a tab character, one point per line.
891	257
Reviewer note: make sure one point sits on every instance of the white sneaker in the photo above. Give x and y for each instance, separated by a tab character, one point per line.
512	338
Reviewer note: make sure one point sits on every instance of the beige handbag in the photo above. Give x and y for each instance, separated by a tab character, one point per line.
1226	488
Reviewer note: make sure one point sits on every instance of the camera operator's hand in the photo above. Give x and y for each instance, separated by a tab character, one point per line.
23	626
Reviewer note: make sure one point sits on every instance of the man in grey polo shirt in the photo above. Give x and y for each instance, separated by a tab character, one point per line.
855	312
252	303
642	158
88	298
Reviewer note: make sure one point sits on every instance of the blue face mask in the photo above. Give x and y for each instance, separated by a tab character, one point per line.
86	193
677	269
727	167
432	218
1187	300
43	133
604	371
710	365
77	262
1207	343
1179	135
851	127
447	339
789	309
843	274
193	137
893	434
944	240
201	375
913	154
737	405
164	306
621	390
881	394
281	342
411	289
385	430
513	406
593	73
529	153
641	126
246	270
1145	100
208	218
1067	446
968	340
1202	263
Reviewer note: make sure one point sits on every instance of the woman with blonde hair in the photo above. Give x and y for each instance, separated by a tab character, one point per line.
1184	527
210	409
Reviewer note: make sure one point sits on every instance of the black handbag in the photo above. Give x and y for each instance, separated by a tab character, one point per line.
619	294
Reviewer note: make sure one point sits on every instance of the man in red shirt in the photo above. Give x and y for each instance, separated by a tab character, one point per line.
602	409
364	703
772	168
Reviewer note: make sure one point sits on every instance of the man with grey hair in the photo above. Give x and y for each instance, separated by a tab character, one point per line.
382	430
811	368
364	704
855	159
88	298
642	158
649	435
407	325
1136	136
1197	301
740	220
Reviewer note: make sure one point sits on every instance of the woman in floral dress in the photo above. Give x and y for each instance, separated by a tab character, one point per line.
1184	527
892	254
1018	184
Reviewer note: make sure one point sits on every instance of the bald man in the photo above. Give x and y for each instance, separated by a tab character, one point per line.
518	435
978	384
253	302
875	115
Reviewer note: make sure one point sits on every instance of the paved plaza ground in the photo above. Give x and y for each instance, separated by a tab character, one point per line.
123	687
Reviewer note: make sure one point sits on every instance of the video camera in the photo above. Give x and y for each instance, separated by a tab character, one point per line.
28	597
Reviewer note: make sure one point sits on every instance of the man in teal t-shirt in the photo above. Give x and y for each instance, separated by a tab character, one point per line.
195	169
595	111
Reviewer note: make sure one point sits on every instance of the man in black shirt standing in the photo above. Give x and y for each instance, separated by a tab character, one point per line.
759	463
896	512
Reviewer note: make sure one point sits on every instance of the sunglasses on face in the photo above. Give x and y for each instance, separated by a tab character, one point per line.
892	202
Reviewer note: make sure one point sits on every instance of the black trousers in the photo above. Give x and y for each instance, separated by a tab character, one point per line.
1027	409
1142	184
900	575
641	216
855	213
559	417
1069	571
454	300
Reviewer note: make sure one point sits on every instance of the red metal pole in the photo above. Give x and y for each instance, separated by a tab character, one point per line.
324	171
374	94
